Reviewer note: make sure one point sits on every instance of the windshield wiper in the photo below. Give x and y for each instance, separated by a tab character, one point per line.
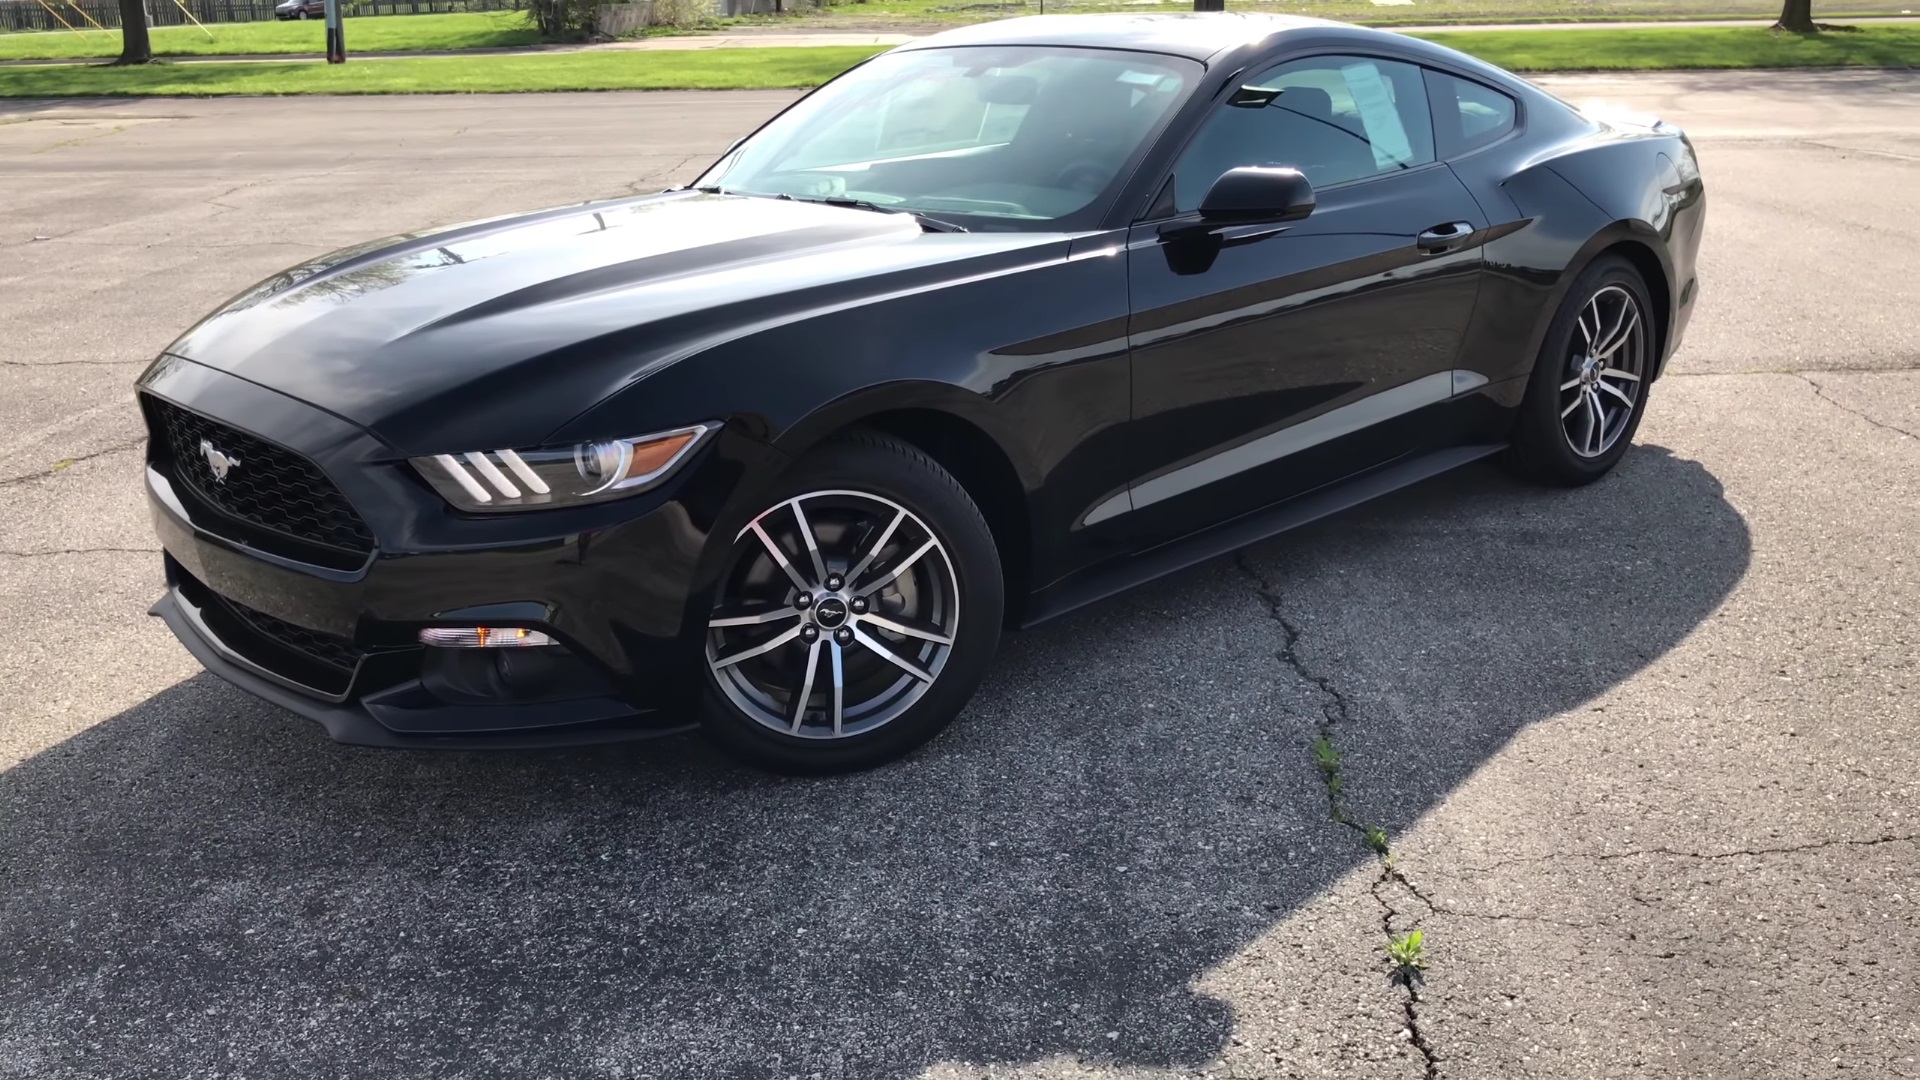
931	224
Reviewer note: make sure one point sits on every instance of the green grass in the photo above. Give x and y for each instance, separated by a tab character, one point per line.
711	69
374	33
879	13
1690	48
748	69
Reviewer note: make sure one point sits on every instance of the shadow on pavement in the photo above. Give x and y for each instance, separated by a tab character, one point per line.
199	886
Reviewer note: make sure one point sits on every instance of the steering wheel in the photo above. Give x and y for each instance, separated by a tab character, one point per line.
1083	175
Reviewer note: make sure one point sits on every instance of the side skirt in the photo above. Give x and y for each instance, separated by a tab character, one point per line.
1105	581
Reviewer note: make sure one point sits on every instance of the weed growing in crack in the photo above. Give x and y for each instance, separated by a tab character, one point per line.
1377	840
1326	756
1408	952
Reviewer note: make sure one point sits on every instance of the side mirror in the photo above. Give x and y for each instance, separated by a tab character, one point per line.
1255	193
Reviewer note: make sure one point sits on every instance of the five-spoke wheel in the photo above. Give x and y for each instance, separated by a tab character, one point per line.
856	611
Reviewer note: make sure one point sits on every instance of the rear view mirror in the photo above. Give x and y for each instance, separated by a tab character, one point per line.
1254	193
1007	89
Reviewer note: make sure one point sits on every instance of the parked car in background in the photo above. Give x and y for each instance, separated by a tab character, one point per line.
300	9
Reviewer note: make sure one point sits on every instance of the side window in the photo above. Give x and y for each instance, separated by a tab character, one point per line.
1469	115
1335	118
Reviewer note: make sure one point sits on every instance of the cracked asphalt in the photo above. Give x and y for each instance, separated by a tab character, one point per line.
1645	751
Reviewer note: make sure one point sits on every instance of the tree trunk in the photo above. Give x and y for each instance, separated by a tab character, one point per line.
1796	16
135	47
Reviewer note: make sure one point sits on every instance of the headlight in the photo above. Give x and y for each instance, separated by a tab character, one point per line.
559	476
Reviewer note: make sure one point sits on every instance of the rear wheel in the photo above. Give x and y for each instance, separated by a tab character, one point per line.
1589	386
857	613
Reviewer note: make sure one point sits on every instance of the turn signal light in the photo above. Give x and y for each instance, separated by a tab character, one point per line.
483	637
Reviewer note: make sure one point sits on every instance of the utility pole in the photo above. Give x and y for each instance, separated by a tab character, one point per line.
336	35
1209	5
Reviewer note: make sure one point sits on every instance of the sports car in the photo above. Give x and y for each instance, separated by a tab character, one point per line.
989	327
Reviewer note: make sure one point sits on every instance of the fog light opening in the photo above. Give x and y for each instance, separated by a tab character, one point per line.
483	637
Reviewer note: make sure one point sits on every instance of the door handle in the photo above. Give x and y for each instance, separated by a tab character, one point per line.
1444	238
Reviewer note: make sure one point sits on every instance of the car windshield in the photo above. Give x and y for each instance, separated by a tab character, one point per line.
999	137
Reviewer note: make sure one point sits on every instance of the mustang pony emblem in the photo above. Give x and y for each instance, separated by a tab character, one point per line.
218	460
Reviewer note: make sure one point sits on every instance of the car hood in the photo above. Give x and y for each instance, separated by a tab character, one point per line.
460	338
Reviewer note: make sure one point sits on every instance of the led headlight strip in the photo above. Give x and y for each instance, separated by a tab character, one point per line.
562	475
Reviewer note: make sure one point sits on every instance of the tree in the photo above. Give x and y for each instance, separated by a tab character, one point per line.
135	46
1796	17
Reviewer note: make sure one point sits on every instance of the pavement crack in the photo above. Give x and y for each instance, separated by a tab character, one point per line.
70	363
1411	1007
1335	709
1408	978
1392	873
1675	853
48	552
67	463
1821	393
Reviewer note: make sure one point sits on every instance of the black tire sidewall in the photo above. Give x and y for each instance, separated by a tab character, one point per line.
893	470
1540	447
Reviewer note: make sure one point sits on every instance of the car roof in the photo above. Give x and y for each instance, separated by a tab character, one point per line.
1196	35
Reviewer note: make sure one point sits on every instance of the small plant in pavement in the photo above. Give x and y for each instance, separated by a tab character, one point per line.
1326	756
1377	839
1408	952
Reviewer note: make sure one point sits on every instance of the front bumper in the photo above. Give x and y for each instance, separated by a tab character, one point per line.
355	724
338	644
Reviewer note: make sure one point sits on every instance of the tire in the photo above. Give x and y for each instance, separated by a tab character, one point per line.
870	503
302	14
1555	439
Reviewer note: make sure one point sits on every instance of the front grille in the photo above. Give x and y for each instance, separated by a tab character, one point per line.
332	651
269	487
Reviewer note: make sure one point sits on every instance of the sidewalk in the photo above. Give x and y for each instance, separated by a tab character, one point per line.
752	39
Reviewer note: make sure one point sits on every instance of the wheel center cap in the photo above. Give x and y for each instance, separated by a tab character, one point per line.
830	613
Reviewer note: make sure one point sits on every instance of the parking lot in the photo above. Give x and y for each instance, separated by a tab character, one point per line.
1646	751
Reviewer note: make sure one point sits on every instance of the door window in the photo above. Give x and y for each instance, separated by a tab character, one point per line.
1335	118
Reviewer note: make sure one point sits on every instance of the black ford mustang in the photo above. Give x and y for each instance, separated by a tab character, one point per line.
991	326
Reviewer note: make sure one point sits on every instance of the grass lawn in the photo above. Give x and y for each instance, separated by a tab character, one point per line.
745	69
706	69
374	33
1896	46
878	13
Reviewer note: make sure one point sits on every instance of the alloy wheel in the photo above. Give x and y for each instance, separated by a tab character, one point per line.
838	613
1606	366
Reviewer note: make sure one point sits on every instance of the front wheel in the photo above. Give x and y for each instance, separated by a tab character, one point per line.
857	612
1589	386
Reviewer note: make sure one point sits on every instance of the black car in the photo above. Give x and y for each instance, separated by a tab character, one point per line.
300	9
992	326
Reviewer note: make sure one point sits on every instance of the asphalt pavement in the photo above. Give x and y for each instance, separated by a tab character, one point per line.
1644	752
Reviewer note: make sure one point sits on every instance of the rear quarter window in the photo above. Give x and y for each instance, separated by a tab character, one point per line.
1468	115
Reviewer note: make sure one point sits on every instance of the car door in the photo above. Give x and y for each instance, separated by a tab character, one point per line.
1270	359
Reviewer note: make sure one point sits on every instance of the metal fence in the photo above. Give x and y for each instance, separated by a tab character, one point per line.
31	15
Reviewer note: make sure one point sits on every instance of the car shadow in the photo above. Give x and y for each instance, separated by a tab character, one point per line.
201	885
